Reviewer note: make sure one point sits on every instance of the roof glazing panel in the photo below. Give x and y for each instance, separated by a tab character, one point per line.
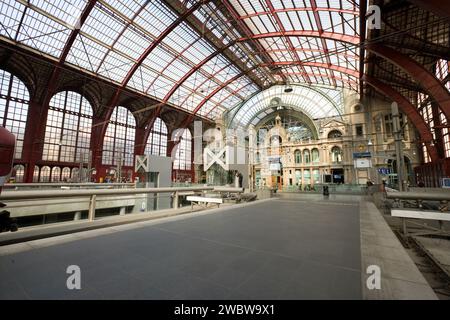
314	102
262	40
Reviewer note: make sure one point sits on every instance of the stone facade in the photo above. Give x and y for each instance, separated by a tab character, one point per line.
330	158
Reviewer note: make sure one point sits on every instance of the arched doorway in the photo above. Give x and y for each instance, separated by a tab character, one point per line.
407	171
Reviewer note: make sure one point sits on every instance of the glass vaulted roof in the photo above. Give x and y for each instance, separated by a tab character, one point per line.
201	56
303	98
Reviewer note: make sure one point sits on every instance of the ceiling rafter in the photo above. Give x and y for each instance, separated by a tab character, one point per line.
321	30
288	40
212	39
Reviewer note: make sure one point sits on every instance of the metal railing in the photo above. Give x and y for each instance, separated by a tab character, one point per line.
421	205
417	198
15	199
333	188
67	185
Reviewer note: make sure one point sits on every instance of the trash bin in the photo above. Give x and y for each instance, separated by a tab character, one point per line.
326	191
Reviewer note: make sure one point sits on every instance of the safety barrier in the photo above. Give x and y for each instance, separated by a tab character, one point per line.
411	205
66	185
21	199
333	188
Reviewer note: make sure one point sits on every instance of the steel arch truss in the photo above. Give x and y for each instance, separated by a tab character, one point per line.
409	110
184	51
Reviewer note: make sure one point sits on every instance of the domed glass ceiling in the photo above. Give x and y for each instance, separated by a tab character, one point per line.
201	56
313	101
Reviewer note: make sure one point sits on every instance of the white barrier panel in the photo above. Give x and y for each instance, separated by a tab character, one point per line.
419	214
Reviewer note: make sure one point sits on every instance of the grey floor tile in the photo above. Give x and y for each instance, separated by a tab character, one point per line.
11	290
264	251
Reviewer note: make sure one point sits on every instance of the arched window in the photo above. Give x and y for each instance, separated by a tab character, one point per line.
334	134
306	156
424	104
183	152
426	155
275	141
298	156
118	144
315	155
316	176
442	69
75	175
14	98
157	140
442	72
336	155
65	174
45	174
36	174
68	129
56	174
20	172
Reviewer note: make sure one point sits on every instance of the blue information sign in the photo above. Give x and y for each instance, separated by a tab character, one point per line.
360	155
384	171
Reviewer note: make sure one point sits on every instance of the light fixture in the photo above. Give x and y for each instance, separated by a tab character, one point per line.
288	89
370	143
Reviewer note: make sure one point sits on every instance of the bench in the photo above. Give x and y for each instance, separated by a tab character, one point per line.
203	201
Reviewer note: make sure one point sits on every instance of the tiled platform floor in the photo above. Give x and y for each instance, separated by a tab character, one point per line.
280	249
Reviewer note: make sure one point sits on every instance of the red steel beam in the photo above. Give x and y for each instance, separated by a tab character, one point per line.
407	108
212	94
226	97
307	33
175	58
125	28
438	7
320	29
245	28
202	63
189	118
143	56
180	82
322	65
350	72
343	54
418	72
325	75
297	33
212	76
286	10
193	70
287	39
53	82
362	39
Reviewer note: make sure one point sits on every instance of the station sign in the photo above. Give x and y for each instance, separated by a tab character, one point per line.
362	163
384	171
361	155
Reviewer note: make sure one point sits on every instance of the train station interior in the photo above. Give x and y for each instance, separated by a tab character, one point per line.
224	150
